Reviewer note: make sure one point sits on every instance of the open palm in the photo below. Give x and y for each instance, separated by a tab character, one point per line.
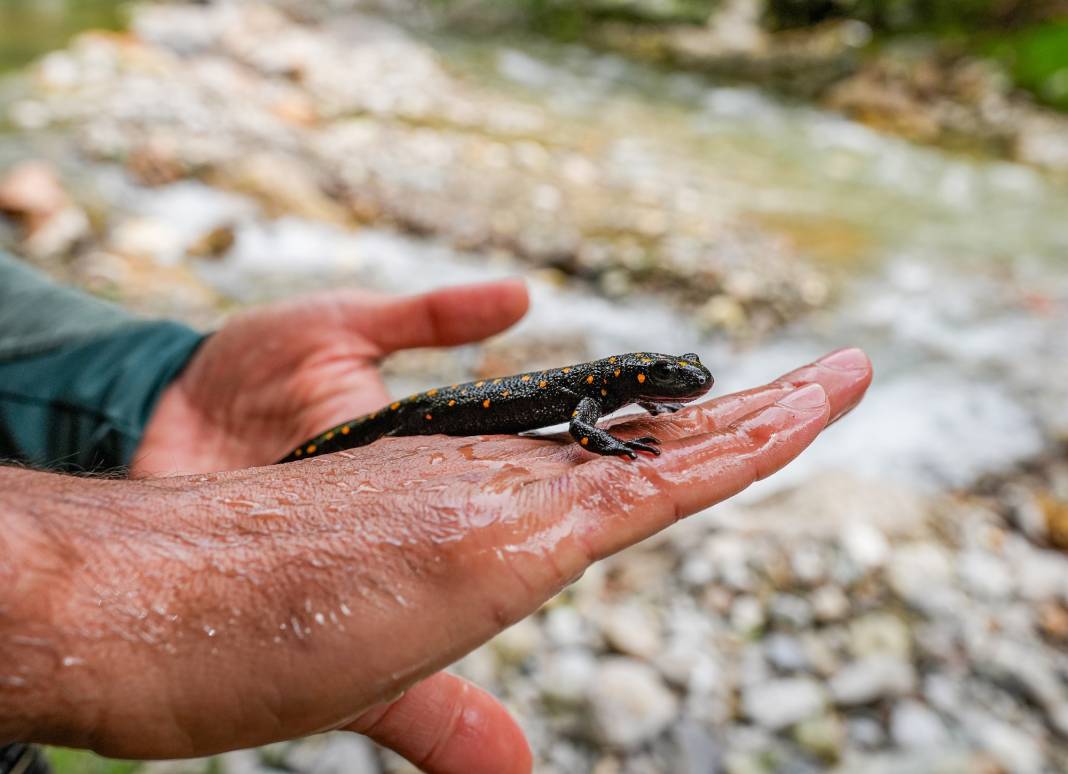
274	376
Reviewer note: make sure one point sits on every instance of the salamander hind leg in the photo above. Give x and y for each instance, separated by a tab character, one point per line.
584	429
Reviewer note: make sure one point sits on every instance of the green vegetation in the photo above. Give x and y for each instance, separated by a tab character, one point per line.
65	761
30	28
1038	61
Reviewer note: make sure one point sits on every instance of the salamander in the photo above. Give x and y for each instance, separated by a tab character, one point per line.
578	394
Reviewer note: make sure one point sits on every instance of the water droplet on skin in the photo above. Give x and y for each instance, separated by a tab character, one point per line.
209	631
345	609
69	661
12	681
320	619
400	600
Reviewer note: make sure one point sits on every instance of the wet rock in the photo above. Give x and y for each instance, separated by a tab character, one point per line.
777	704
872	678
913	725
630	703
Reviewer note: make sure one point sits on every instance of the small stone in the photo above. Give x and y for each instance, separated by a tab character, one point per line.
1016	750
985	575
565	626
919	573
785	652
518	642
880	633
822	736
791	611
632	630
872	678
866	545
830	603
32	190
567	674
337	753
777	704
630	703
914	726
747	614
212	244
808	564
866	733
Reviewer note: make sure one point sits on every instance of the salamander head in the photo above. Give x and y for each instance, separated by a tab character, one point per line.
677	378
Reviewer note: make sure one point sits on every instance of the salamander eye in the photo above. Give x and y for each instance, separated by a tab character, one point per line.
662	370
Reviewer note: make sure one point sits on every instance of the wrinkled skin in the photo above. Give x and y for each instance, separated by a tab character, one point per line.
233	609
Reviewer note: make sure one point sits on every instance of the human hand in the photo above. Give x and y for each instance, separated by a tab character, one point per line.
274	376
240	608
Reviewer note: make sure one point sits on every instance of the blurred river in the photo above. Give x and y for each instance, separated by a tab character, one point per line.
949	269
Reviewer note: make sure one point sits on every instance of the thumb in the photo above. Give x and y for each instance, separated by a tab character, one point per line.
446	725
440	318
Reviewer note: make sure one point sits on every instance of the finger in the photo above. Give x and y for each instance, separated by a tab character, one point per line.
446	725
440	318
615	504
844	375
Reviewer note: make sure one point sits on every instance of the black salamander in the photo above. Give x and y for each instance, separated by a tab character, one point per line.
578	394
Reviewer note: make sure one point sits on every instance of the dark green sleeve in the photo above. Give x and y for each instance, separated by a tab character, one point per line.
78	385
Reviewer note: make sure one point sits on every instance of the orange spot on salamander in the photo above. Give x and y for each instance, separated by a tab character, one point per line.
585	441
543	383
479	384
328	436
506	393
641	378
486	403
345	430
298	452
567	370
432	393
526	377
604	392
611	360
428	417
615	373
394	406
496	381
452	402
589	379
312	448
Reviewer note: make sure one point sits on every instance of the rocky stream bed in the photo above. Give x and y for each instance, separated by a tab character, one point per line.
897	601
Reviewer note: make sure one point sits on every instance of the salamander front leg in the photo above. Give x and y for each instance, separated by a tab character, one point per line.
660	408
584	430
